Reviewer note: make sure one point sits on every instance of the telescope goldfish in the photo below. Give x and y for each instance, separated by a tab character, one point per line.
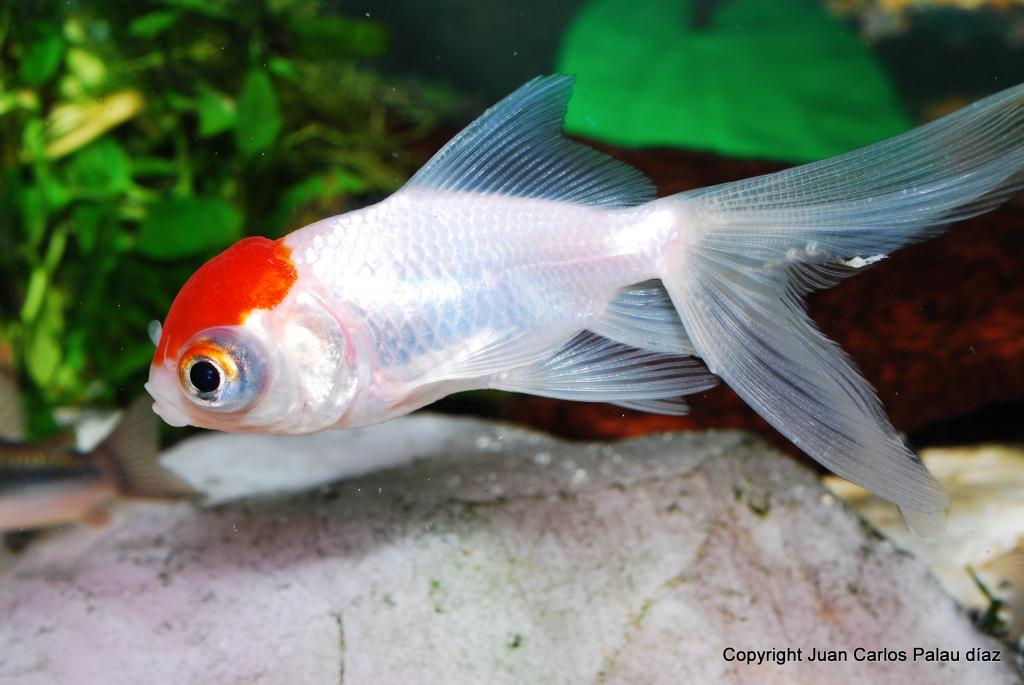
520	260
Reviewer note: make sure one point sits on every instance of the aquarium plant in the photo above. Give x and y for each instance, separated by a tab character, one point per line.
139	139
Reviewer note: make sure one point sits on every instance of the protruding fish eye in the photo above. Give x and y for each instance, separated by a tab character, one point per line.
222	370
204	377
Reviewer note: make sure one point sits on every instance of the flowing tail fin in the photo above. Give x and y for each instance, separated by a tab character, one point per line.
131	453
745	253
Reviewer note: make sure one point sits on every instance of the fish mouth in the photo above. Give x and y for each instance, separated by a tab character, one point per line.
165	404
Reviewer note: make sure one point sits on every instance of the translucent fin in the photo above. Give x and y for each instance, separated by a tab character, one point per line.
590	368
818	219
12	417
675	406
762	344
516	148
754	247
484	354
643	316
130	452
155	329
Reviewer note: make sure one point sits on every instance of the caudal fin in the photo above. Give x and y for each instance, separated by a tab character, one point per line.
747	252
131	453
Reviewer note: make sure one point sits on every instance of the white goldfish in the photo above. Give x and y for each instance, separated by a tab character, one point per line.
519	260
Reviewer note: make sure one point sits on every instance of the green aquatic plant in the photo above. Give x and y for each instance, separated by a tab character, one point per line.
138	139
751	78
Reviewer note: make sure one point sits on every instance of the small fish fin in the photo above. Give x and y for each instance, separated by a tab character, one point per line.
673	406
754	247
758	339
517	148
591	368
643	316
827	220
483	354
98	517
12	416
131	453
155	330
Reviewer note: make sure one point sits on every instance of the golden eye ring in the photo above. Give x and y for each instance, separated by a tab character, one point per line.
220	370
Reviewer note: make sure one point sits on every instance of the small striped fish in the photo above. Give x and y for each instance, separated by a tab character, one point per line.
50	483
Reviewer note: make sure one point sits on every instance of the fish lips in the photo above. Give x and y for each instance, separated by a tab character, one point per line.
163	388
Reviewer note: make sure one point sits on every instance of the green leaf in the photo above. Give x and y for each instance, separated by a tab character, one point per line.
33	209
56	195
216	111
204	7
153	166
42	57
33	139
87	220
22	99
153	24
751	78
99	169
321	38
43	351
87	67
183	226
35	294
259	116
284	68
43	354
318	187
133	359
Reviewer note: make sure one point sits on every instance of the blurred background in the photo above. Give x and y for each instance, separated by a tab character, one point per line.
137	140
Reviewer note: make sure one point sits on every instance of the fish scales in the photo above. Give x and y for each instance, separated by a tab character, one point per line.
546	269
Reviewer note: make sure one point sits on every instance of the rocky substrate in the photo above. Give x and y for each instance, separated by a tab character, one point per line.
483	554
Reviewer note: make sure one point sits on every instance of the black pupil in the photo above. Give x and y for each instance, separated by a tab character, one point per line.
204	377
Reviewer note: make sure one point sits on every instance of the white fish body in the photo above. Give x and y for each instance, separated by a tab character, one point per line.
472	292
519	260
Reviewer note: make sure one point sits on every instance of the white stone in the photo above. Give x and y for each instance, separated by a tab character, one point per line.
984	524
473	565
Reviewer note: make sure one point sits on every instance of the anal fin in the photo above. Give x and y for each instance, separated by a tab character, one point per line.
643	316
755	335
592	368
671	406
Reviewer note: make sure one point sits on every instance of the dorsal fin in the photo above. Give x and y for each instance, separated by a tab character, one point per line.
517	148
